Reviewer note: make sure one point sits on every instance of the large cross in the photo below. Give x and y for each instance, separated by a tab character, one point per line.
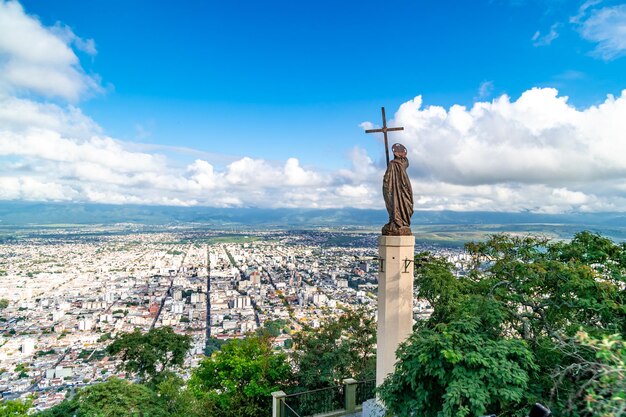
385	129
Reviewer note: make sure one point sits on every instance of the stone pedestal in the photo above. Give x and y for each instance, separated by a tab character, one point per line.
395	300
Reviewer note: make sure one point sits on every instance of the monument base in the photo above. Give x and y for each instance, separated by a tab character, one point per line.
395	300
391	229
373	408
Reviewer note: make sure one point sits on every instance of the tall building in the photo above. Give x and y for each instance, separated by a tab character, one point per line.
242	301
28	346
154	309
255	278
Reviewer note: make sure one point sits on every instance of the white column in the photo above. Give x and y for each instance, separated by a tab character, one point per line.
395	300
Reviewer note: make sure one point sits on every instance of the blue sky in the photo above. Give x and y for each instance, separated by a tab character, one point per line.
268	81
296	78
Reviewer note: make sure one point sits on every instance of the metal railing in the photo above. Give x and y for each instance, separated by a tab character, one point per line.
288	411
308	403
365	390
335	401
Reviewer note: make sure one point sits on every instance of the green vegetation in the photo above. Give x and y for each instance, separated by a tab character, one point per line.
93	355
46	352
21	367
231	259
342	347
4	303
504	336
152	354
213	345
113	398
457	235
605	388
105	337
15	408
228	238
275	327
238	380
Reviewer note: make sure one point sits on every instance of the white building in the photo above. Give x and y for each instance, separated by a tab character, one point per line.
28	346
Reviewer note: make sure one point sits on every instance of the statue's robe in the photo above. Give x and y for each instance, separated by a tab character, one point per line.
398	195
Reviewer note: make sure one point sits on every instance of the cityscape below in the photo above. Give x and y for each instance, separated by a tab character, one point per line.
71	290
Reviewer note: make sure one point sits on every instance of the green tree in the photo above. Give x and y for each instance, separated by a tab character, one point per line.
522	302
342	347
457	369
114	398
274	327
214	344
15	408
151	354
601	380
178	401
4	303
67	408
238	380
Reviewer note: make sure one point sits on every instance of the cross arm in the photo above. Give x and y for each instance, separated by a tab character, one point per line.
384	129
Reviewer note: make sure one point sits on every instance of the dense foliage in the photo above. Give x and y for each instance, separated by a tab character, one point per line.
149	355
500	334
213	345
113	398
601	378
238	380
14	408
342	347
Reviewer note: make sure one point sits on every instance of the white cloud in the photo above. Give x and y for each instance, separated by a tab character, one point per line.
607	28
298	176
485	89
37	59
545	40
66	34
536	152
54	153
529	153
28	188
583	9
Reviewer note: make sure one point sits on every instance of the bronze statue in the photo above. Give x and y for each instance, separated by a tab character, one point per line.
397	189
398	194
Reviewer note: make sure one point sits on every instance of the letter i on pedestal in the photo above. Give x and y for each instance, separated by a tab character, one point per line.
395	300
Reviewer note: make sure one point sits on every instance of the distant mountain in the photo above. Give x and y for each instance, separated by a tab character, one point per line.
25	214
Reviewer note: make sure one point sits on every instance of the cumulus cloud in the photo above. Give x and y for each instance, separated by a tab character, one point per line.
53	153
606	27
531	153
38	59
535	152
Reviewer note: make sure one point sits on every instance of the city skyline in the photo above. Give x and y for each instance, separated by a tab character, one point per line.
507	105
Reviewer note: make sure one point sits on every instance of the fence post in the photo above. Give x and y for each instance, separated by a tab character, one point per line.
278	399
349	394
